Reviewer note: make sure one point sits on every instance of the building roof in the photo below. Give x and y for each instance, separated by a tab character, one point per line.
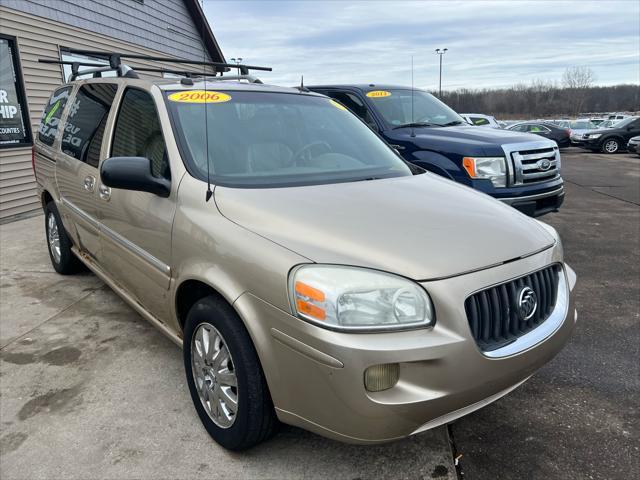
204	29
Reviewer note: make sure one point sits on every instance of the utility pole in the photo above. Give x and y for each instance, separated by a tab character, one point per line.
440	53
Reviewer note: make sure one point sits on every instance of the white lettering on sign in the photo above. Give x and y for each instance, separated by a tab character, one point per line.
4	97
8	111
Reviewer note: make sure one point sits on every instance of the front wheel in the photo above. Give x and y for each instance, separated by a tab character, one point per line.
611	145
225	378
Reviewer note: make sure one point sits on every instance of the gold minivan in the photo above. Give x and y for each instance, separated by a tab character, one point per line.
311	276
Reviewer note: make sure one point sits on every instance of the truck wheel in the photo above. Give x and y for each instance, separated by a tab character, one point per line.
225	378
59	244
611	145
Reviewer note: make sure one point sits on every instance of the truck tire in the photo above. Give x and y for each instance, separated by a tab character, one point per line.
611	145
225	377
59	244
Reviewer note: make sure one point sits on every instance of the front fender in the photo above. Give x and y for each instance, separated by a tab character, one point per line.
436	163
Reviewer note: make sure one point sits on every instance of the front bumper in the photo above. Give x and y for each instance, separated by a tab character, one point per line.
538	204
633	147
315	376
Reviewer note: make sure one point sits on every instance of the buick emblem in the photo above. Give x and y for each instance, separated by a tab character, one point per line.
544	164
527	303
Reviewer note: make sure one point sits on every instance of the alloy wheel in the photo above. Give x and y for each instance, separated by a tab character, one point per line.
53	237
611	146
214	375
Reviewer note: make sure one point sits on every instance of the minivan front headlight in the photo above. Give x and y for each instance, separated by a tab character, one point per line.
358	299
491	168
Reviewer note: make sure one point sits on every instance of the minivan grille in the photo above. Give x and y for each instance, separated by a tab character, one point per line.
495	316
534	166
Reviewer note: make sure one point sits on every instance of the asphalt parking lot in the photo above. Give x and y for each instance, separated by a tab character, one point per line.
88	389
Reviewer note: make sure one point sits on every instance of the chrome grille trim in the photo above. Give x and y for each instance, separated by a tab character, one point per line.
523	158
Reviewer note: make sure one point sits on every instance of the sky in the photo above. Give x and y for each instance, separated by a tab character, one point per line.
490	43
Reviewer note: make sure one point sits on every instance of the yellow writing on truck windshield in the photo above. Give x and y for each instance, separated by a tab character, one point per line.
378	94
199	96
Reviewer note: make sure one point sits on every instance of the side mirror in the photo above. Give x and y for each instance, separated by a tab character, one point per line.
133	173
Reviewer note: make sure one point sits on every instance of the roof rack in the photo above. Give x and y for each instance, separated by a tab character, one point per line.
115	64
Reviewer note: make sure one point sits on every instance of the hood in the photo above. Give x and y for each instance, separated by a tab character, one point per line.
422	227
473	140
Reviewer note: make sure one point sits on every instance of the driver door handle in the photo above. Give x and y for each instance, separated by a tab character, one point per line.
89	183
104	192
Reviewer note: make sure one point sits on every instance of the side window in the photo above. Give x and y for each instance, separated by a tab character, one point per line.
138	132
353	103
85	124
51	115
520	128
479	121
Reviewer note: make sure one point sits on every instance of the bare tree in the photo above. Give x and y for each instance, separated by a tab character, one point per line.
577	80
578	77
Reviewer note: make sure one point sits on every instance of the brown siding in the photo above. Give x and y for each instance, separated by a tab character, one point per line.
41	38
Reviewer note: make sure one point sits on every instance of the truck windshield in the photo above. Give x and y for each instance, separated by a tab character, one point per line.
264	139
395	107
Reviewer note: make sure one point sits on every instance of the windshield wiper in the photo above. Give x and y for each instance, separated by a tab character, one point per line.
451	124
416	124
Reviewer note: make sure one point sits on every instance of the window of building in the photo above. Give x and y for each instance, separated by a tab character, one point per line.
15	129
51	115
85	124
138	132
75	57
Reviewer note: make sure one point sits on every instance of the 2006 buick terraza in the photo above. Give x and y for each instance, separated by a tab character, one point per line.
325	283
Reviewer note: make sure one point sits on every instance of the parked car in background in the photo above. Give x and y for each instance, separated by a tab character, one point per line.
480	120
562	123
328	284
608	124
633	145
578	128
618	116
519	169
612	140
546	130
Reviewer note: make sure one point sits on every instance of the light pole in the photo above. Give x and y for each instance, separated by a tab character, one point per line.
237	61
440	53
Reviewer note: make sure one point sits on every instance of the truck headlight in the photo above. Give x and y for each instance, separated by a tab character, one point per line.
357	299
491	168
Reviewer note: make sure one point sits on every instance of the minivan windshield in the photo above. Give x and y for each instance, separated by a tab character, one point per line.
395	106
267	139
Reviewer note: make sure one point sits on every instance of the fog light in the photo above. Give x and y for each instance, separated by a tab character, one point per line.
381	377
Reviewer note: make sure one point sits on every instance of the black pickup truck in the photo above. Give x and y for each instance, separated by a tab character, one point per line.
520	169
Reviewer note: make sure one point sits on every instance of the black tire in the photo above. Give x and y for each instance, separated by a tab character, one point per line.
608	145
255	419
66	263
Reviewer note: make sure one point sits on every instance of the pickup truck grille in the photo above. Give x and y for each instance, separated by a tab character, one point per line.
495	316
535	166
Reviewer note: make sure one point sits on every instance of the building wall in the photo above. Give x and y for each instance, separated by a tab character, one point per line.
162	25
38	37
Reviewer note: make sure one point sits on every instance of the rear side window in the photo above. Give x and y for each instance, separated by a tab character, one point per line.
479	121
51	115
87	118
138	132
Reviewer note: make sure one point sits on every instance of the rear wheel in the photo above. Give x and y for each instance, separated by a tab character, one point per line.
611	145
59	243
225	378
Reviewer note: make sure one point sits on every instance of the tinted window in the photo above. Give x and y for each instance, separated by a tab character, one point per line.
262	139
51	115
85	124
479	121
138	132
520	128
354	104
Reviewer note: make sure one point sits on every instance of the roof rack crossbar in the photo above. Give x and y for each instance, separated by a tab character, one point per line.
115	57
